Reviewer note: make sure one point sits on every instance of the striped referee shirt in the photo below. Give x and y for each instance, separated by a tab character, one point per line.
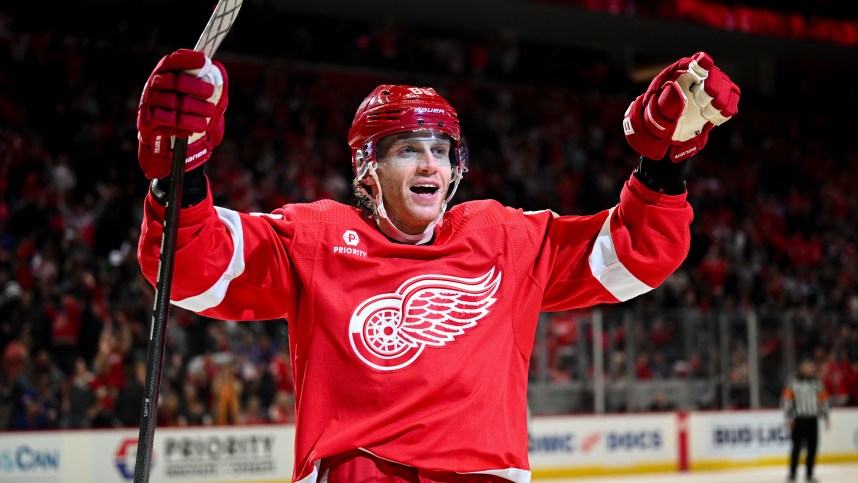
804	397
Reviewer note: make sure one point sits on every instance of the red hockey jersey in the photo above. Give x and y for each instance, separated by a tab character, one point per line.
416	354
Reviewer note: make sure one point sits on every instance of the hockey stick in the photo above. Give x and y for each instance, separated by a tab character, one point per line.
216	29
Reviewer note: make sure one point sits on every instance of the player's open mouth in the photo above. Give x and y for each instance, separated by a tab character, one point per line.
424	189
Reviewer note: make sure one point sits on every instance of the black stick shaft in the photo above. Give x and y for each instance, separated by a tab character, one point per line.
160	315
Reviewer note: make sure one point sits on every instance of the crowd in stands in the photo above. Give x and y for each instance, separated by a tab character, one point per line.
775	227
818	20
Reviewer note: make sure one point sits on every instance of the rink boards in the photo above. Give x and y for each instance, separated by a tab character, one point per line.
564	446
664	442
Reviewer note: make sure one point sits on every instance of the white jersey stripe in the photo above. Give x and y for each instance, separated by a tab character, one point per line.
314	476
608	269
512	474
215	294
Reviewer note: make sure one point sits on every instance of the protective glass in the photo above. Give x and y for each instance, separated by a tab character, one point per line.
416	148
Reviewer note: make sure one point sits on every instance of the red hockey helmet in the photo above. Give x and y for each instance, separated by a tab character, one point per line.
392	109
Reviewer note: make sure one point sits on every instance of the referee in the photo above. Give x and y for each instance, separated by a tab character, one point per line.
804	400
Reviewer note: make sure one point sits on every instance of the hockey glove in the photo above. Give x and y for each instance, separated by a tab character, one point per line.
682	104
186	95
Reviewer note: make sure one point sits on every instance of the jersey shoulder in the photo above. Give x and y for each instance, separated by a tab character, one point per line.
322	211
478	214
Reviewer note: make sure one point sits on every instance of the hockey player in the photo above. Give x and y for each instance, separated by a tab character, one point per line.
410	326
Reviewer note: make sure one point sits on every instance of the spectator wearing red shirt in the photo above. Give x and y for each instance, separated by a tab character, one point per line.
114	343
282	411
281	370
253	412
835	375
643	371
66	319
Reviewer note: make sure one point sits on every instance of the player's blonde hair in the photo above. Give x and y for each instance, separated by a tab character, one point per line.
359	189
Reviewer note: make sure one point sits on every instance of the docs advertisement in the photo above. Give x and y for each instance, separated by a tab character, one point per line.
602	444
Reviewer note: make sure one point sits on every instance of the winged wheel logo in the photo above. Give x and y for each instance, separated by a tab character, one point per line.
391	330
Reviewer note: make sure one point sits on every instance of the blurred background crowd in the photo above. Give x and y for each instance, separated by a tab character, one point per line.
822	20
774	194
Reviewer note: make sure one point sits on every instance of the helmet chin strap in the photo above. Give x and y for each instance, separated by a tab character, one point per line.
386	225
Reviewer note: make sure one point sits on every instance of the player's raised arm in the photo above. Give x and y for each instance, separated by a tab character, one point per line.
187	94
632	248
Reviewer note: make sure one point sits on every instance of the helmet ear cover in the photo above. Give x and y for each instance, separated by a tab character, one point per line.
360	166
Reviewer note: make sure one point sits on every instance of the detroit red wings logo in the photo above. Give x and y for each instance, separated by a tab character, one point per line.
390	331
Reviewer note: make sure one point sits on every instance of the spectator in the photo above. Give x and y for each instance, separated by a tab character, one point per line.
79	397
39	406
282	411
130	399
226	391
194	411
660	403
13	385
169	409
66	320
253	413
